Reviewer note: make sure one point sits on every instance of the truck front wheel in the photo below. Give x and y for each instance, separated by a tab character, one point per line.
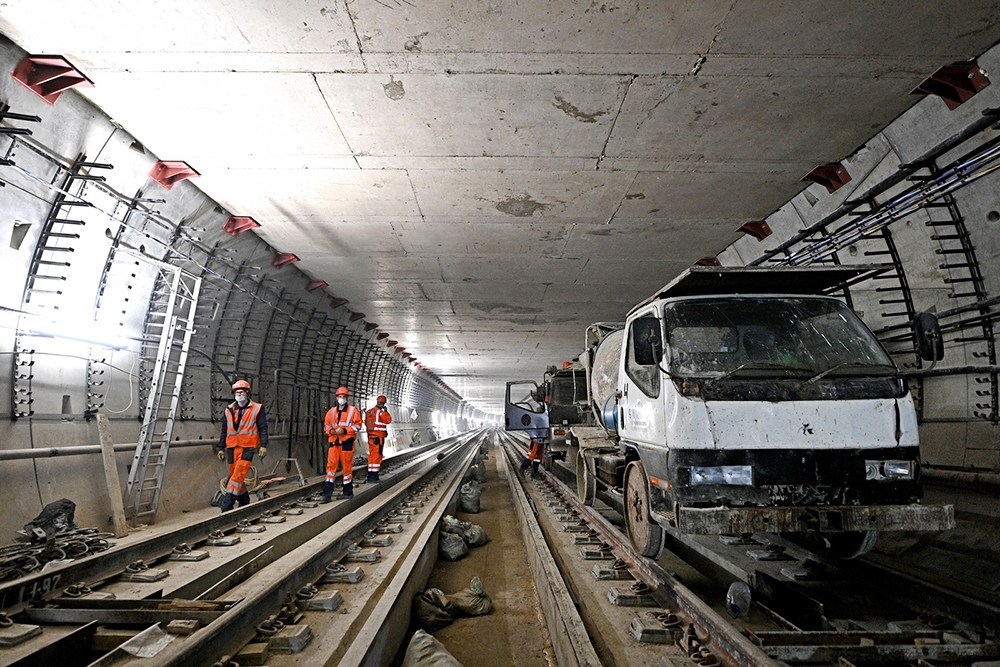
646	535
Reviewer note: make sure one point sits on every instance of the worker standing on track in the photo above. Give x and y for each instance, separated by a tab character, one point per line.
376	421
244	431
343	424
534	457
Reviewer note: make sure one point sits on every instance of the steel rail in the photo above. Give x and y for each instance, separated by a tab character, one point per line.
270	588
726	641
159	541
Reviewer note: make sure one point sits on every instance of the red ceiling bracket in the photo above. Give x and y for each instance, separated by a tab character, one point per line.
758	230
382	336
282	258
398	350
169	173
830	176
707	261
370	326
356	316
390	343
337	303
49	76
954	83
316	284
237	224
406	354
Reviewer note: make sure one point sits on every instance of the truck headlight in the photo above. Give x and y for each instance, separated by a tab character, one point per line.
888	470
732	475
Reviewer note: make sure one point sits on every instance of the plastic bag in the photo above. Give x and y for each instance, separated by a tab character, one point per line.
478	470
425	651
450	524
473	601
433	610
469	496
452	547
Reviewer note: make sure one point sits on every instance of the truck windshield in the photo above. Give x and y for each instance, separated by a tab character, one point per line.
797	337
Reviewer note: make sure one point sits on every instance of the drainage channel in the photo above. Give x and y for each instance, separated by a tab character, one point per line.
252	586
806	610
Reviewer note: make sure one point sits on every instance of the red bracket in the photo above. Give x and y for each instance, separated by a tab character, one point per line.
370	326
316	284
169	173
399	349
954	83
406	354
337	303
390	343
758	230
49	76
282	258
237	224
382	336
830	176
356	316
707	261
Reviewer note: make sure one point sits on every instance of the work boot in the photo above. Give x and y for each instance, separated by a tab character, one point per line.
534	469
326	499
348	491
372	477
243	499
227	501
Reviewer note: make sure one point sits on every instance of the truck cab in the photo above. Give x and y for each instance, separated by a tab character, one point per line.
752	400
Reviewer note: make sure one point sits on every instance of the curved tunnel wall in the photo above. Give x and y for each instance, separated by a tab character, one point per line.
943	256
89	246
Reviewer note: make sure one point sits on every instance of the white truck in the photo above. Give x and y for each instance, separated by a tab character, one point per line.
744	400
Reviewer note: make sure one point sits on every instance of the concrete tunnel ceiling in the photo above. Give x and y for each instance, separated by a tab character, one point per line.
483	179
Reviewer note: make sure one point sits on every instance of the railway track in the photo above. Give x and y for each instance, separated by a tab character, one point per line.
807	609
282	579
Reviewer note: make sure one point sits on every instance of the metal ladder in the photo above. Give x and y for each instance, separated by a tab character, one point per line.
172	316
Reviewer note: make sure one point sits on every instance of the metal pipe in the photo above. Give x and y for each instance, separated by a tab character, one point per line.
51	452
980	481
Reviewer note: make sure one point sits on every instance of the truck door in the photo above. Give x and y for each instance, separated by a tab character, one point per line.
524	409
640	415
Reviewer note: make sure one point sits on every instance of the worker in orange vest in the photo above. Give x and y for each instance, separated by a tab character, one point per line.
534	457
376	421
244	431
343	424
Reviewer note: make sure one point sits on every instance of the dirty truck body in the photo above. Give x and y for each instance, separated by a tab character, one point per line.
745	400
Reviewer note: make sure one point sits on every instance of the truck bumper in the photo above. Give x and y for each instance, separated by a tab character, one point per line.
825	519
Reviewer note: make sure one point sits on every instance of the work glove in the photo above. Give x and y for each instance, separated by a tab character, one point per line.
222	455
263	452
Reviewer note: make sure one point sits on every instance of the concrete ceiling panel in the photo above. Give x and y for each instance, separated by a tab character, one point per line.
479	196
492	269
318	242
536	26
227	119
668	239
499	239
474	115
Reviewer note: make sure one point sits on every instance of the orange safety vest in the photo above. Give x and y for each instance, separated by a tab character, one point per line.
349	419
242	432
536	451
376	421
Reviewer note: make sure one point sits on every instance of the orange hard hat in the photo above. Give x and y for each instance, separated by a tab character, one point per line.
241	384
380	399
342	392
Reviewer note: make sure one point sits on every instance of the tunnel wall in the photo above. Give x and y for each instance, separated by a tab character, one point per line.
88	245
958	410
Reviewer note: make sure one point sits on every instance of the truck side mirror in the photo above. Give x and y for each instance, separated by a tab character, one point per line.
930	342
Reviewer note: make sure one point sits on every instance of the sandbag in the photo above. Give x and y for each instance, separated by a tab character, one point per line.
478	470
474	536
425	651
469	496
472	601
452	547
433	610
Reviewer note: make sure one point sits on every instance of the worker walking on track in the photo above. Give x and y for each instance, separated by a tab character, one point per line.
244	431
534	457
376	421
343	424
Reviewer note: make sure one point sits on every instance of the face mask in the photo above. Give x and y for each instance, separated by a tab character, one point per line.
241	399
341	401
